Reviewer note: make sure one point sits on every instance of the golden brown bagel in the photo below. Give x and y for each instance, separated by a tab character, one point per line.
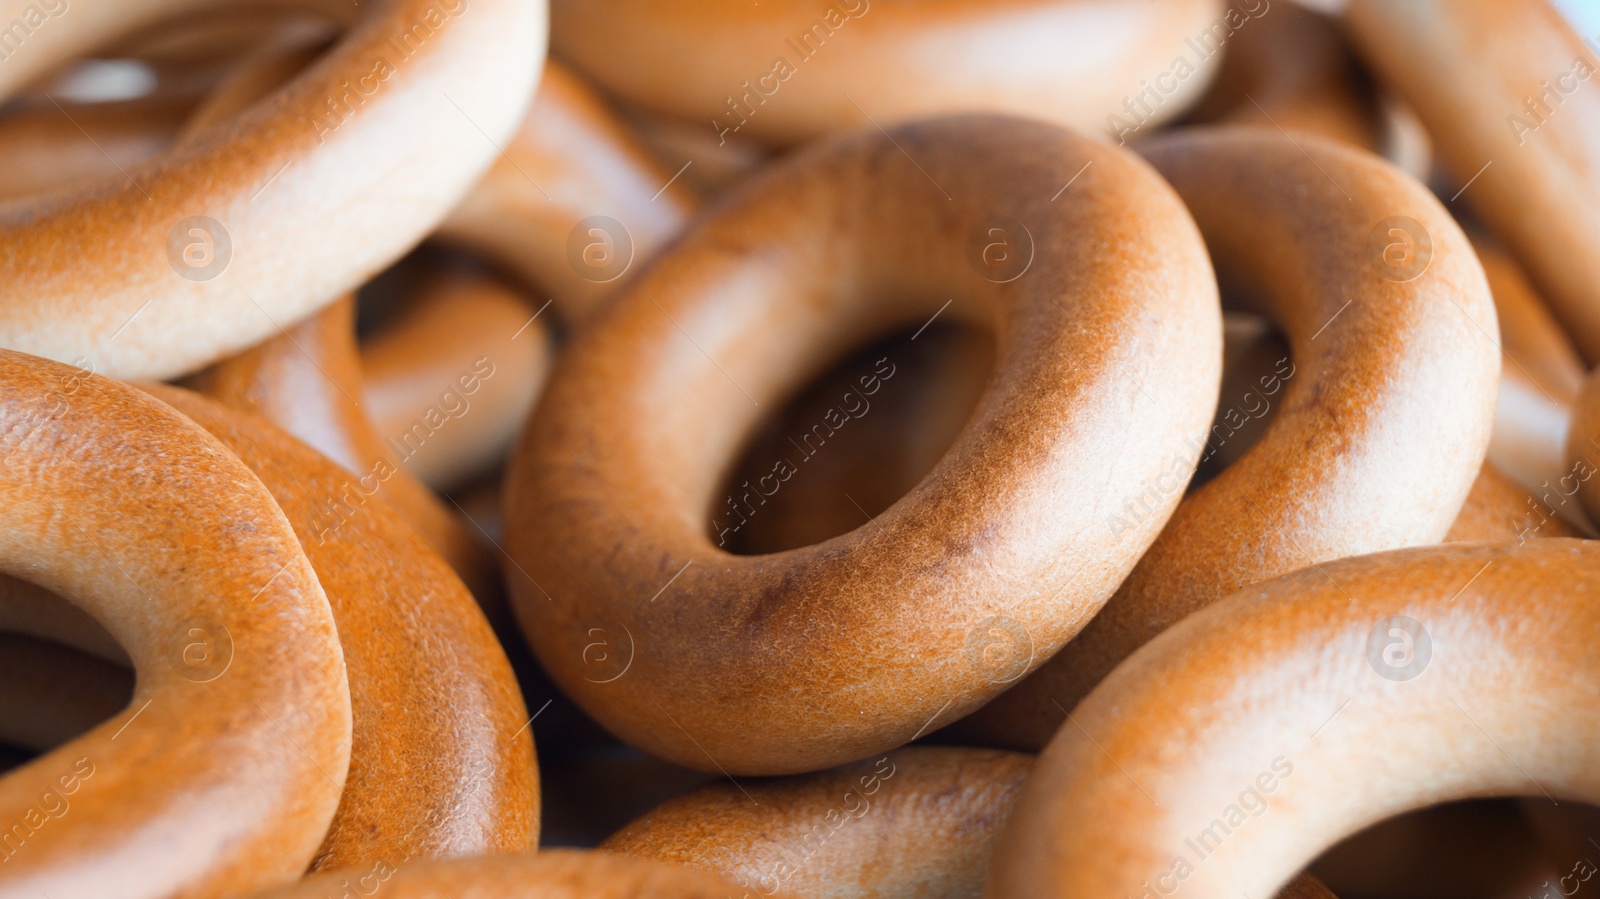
798	660
1384	413
229	207
460	324
1500	85
441	763
1231	750
570	161
920	821
557	874
786	73
234	756
1295	70
308	382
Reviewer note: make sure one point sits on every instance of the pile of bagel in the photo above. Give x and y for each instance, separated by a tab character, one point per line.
874	448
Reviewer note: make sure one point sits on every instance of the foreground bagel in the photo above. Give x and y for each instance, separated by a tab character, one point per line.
1500	86
442	764
920	821
797	660
191	249
1385	404
785	73
1299	711
234	755
558	874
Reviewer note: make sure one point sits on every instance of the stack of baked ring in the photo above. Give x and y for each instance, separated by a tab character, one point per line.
881	449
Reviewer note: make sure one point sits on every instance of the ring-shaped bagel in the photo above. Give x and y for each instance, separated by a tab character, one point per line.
785	73
191	252
226	772
1237	746
803	659
441	764
1385	404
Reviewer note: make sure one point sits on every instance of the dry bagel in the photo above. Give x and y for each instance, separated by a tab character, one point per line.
795	661
441	764
234	754
191	249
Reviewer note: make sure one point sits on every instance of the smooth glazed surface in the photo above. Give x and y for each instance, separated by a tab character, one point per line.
576	203
308	382
450	381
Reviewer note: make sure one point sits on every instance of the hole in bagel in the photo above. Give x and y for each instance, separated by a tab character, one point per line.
61	673
1254	356
853	440
1463	850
